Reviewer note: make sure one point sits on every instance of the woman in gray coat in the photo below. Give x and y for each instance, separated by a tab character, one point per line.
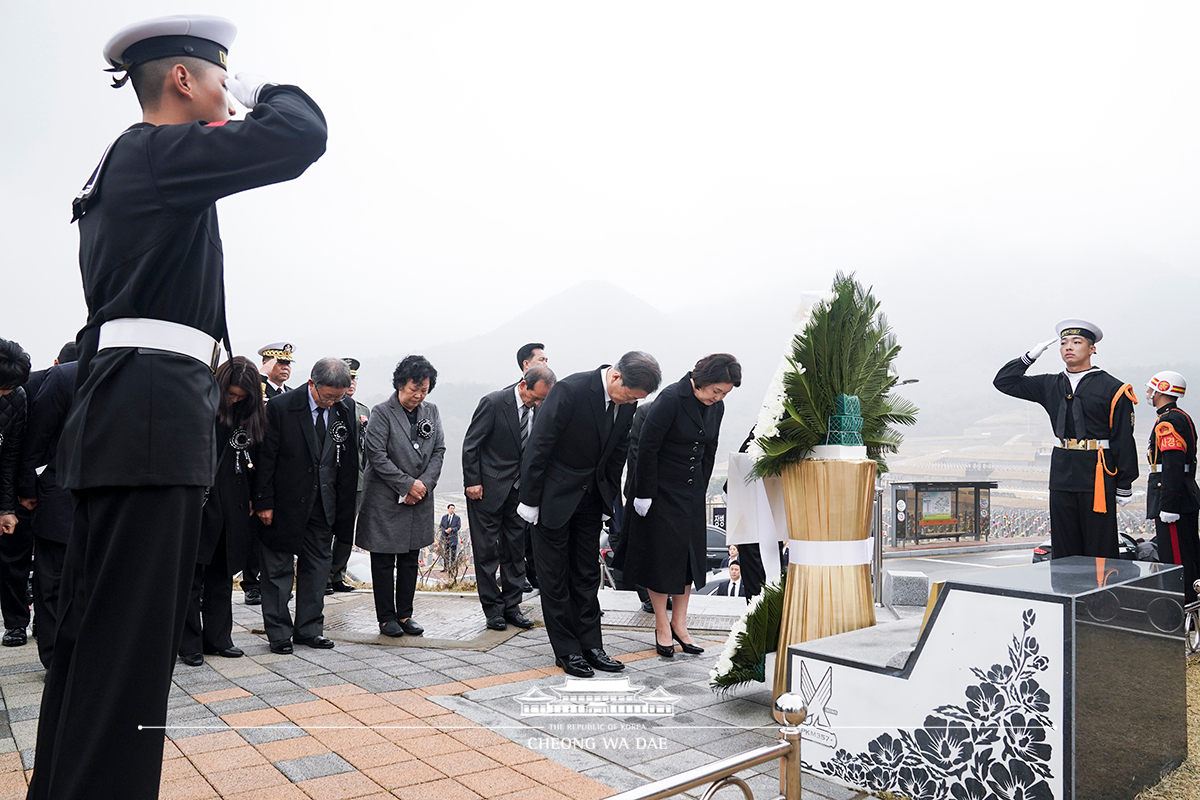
405	446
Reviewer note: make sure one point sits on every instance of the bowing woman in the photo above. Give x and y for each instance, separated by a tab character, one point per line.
225	518
405	447
676	452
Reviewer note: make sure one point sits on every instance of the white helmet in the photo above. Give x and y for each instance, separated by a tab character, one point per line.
1167	382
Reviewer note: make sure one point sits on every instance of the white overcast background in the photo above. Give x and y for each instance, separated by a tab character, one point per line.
988	167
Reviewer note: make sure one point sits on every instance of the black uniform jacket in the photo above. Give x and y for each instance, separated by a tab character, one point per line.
47	415
149	247
1084	414
1173	448
287	471
12	436
227	505
676	453
491	454
568	453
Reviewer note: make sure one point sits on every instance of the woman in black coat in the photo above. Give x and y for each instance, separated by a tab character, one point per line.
225	520
676	451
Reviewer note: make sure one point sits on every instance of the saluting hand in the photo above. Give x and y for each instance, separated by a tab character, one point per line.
1038	349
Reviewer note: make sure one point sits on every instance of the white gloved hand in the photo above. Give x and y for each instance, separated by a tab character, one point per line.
528	513
1038	349
642	505
1124	500
245	88
1168	517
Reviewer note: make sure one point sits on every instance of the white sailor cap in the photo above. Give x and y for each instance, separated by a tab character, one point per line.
280	351
178	36
1079	327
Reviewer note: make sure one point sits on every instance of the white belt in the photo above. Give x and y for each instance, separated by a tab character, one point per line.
1159	467
1082	444
831	554
158	334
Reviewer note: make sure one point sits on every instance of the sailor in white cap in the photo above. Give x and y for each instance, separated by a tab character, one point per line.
277	358
138	448
1172	496
1094	462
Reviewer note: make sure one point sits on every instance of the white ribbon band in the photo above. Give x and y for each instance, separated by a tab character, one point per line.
159	334
831	554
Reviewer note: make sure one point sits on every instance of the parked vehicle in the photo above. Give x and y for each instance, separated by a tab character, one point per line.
1127	548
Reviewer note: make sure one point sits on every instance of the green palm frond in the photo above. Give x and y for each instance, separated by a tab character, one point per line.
761	636
846	348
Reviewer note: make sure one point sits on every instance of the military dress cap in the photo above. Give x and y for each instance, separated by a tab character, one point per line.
178	36
1079	327
353	364
1166	381
280	351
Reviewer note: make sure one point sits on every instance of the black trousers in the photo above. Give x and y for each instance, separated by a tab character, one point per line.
1076	530
16	559
253	567
449	542
311	572
342	551
498	541
211	627
47	587
104	708
394	572
568	564
1178	544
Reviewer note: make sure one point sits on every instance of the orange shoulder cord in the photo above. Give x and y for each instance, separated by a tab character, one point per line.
1099	503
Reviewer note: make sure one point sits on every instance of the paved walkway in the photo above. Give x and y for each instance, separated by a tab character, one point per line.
438	717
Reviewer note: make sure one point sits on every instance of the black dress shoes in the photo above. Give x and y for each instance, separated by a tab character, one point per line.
253	597
520	620
14	637
574	664
232	651
283	648
666	651
328	589
318	642
497	624
527	588
342	586
601	661
690	649
391	628
410	627
192	659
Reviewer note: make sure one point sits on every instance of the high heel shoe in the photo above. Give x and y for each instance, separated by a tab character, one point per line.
666	651
690	649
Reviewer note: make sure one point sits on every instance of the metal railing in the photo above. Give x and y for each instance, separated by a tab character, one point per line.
789	712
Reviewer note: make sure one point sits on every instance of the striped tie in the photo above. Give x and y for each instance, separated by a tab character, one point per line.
524	438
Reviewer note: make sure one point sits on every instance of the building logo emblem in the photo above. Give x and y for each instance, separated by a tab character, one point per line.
597	698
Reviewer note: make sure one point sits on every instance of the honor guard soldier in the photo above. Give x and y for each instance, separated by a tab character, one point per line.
1172	497
138	448
1094	462
276	368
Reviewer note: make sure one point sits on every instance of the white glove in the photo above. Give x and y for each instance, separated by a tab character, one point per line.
528	513
642	505
1038	349
1168	517
245	88
1124	500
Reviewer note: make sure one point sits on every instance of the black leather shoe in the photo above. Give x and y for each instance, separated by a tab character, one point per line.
284	648
228	652
497	624
391	628
192	659
253	597
601	661
527	588
520	620
318	642
342	586
14	637
410	627
647	606
690	649
574	664
328	589
666	651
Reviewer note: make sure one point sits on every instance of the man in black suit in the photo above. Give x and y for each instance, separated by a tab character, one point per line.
308	473
531	354
14	563
492	449
570	475
448	529
733	586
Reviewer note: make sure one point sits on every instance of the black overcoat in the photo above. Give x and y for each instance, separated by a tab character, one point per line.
227	506
676	453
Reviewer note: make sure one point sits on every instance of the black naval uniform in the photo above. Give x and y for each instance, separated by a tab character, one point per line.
1082	521
139	446
1171	487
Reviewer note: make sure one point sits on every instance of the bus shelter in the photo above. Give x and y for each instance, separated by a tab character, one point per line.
940	510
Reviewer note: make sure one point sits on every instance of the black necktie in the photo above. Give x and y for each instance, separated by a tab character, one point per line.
524	426
321	428
608	419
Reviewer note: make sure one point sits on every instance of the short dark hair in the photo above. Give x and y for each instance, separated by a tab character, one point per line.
148	78
717	368
14	365
539	373
450	505
526	352
415	369
639	371
331	372
68	353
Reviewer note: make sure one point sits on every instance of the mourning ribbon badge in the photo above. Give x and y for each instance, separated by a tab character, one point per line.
424	430
240	442
339	433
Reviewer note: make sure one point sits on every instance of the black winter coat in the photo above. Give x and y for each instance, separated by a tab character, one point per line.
227	505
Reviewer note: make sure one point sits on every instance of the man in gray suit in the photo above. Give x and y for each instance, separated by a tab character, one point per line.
307	478
492	450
